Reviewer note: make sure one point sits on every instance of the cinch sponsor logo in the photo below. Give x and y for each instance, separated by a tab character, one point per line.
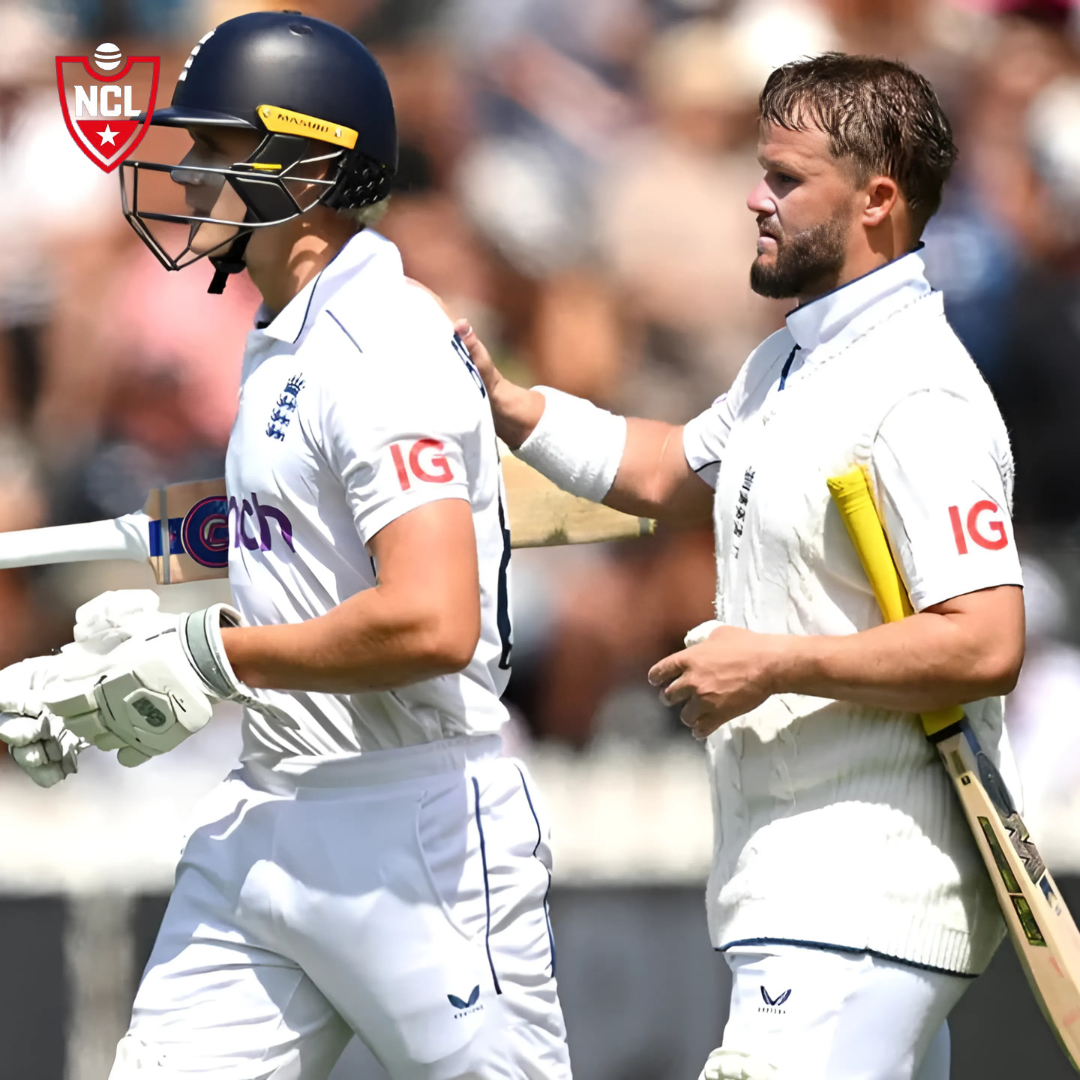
107	107
210	528
202	533
262	516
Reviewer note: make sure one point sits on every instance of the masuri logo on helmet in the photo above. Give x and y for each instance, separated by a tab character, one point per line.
112	112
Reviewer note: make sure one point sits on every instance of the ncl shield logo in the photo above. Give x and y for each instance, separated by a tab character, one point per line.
107	114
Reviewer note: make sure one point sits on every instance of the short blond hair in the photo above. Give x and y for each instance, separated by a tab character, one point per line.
367	216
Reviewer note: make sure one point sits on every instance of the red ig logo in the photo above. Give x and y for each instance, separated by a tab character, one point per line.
994	541
435	469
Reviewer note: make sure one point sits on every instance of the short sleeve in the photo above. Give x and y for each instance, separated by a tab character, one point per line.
943	471
705	438
400	439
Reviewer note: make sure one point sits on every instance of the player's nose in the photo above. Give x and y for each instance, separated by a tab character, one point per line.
760	200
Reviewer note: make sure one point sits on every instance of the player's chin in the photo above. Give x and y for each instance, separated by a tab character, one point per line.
207	239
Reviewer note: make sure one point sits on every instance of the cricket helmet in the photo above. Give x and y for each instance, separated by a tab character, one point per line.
290	79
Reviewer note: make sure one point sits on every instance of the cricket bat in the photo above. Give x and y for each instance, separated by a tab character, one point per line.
1042	930
184	531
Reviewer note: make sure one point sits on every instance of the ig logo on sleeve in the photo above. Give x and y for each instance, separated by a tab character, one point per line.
107	102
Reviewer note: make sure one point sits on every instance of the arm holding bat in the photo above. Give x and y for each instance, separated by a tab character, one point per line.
966	640
963	649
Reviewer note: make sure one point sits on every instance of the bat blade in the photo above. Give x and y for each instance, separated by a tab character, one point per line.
1040	926
543	515
184	533
187	532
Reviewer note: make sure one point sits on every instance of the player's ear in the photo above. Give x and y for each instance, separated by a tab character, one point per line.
881	194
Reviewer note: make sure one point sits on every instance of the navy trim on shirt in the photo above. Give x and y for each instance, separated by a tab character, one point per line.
826	947
331	315
787	366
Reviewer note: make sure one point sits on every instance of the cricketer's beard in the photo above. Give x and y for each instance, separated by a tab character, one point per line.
802	260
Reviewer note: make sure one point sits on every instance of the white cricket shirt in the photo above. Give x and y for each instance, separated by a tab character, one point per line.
835	823
357	405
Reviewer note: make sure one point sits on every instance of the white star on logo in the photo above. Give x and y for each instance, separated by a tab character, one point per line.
108	136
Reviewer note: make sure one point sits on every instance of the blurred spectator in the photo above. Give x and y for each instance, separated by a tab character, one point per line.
26	627
675	229
54	205
1042	710
166	377
1038	384
615	615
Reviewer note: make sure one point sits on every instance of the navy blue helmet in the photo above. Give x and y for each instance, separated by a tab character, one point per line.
290	79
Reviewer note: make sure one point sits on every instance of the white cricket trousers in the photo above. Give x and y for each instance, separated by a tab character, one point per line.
400	895
805	1013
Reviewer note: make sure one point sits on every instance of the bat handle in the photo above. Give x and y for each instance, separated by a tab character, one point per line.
124	537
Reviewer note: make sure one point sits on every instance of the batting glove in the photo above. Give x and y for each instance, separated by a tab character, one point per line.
36	739
159	688
117	616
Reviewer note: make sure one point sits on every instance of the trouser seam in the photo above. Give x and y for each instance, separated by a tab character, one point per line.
487	890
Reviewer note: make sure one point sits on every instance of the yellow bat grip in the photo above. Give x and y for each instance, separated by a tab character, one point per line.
851	493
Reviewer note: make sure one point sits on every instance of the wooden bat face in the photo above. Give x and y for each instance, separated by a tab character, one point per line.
188	533
1042	930
199	529
185	531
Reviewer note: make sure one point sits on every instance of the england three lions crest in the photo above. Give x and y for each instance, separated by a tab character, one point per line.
107	102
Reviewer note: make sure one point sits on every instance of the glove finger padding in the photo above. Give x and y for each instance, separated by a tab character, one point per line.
35	755
19	730
131	758
153	704
48	761
117	616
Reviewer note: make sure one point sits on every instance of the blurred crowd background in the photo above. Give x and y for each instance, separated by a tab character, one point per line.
573	179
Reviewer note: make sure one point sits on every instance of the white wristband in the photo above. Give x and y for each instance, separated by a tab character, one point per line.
576	444
201	638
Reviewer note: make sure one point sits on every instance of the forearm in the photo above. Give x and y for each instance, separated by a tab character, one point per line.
921	664
366	643
633	465
654	479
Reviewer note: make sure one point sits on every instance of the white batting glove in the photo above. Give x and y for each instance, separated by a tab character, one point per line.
117	616
159	687
735	1065
37	740
49	754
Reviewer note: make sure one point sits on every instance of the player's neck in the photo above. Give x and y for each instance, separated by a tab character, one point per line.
283	259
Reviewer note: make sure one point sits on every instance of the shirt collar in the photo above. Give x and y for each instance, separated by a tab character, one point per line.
363	249
884	290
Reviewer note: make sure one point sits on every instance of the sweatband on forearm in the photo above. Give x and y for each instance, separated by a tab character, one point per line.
201	635
576	444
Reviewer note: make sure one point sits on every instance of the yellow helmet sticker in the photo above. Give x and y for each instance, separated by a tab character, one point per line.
294	123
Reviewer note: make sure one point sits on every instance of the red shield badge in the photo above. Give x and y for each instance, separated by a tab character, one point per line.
102	110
